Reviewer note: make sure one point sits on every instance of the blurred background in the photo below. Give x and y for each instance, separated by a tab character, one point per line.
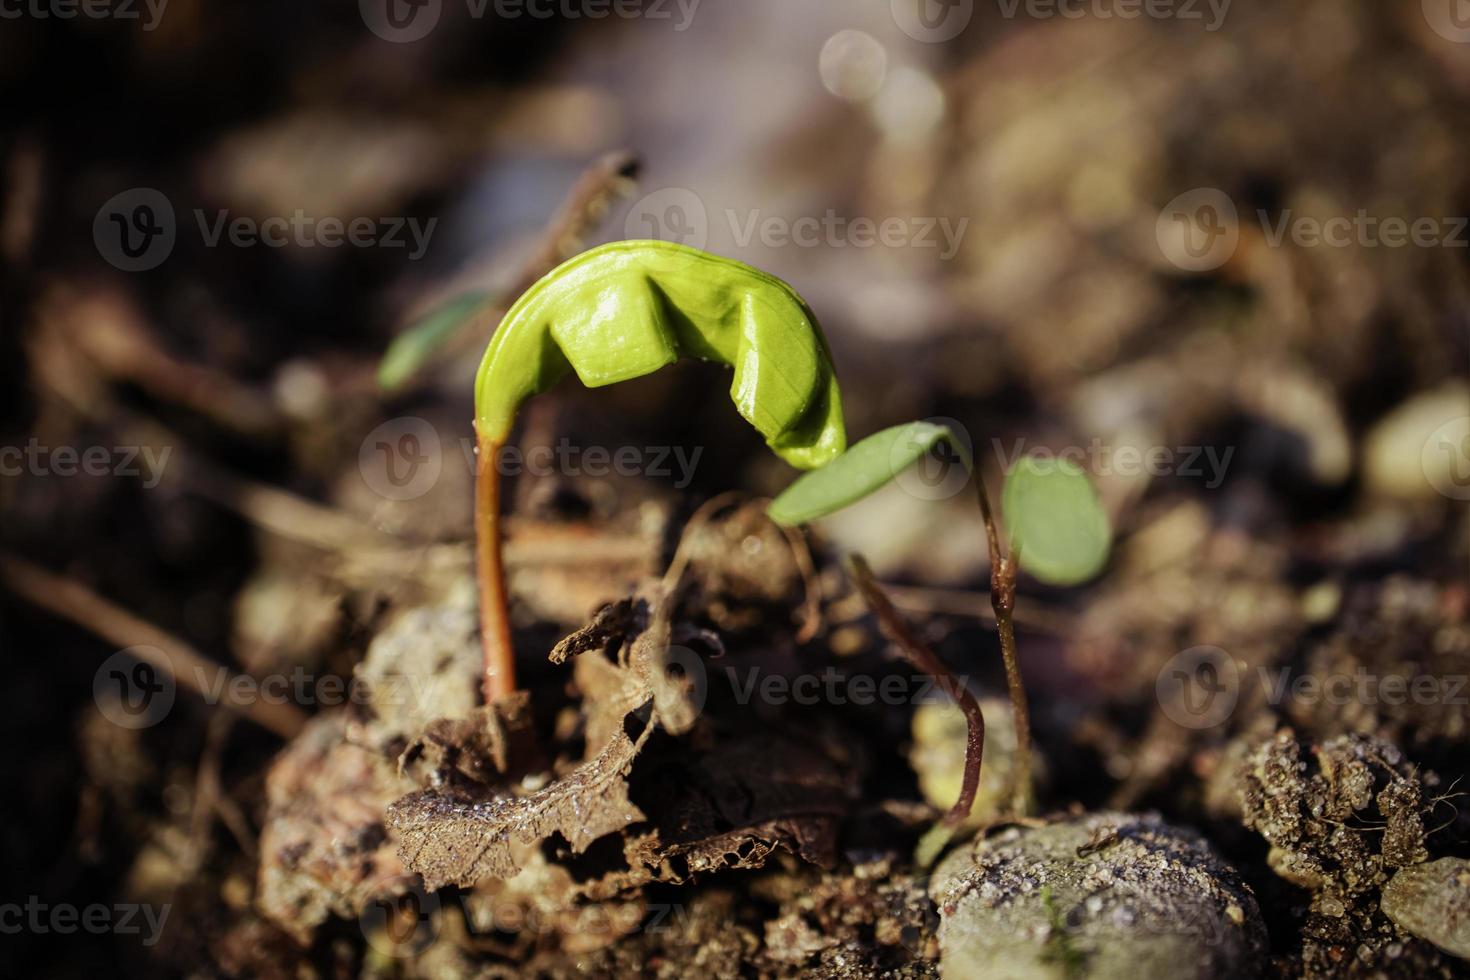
1217	251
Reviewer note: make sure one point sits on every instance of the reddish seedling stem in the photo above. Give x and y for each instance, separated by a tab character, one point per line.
921	656
1003	601
495	642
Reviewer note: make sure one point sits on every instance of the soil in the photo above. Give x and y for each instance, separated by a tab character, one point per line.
1251	732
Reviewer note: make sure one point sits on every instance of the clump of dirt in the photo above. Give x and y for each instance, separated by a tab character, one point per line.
1108	895
324	848
1394	666
1341	817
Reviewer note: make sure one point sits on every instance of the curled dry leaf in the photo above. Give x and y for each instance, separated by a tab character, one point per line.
455	838
681	812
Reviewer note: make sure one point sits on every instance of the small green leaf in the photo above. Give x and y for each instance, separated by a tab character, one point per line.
629	308
864	468
412	348
1055	520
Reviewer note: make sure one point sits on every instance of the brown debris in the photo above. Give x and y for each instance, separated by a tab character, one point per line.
324	848
449	837
1339	825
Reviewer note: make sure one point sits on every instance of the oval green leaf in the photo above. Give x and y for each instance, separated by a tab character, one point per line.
864	468
629	308
1054	518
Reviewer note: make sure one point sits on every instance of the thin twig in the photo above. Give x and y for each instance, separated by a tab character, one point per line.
702	515
610	177
918	653
811	616
78	604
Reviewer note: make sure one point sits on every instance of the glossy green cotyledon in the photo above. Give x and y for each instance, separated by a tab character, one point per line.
626	309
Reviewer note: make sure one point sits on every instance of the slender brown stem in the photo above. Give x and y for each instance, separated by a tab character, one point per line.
918	653
500	666
1003	601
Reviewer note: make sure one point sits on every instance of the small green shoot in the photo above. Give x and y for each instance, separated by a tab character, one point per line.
411	349
1052	511
625	310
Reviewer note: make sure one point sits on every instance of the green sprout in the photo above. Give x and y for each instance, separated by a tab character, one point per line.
620	312
1052	514
411	349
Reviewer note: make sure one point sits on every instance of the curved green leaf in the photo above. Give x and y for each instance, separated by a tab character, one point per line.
864	468
629	308
1055	520
410	349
